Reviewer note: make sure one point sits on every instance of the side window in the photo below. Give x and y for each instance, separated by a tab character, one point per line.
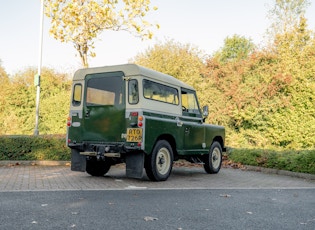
133	93
190	104
77	95
159	92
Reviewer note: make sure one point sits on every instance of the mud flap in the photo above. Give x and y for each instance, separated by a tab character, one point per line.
135	165
78	162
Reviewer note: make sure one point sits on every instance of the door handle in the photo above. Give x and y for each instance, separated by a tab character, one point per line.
87	113
187	130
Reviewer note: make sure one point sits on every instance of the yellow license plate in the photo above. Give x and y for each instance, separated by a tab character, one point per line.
134	134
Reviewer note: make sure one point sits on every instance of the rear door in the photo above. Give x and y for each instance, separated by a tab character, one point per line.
104	107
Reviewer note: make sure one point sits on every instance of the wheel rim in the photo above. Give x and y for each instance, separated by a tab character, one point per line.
163	161
216	158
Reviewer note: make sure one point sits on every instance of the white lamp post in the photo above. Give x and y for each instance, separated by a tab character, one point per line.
37	76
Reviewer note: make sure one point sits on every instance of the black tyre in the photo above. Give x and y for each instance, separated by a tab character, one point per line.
213	160
97	168
159	163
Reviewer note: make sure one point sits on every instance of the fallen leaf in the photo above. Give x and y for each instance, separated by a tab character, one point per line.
149	218
225	195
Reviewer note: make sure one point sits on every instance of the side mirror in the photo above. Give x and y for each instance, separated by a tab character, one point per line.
205	111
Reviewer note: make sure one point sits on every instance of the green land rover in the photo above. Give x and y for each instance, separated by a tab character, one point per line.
141	117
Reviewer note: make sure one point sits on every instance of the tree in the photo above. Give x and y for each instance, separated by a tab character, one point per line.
182	61
295	50
5	83
285	15
235	48
3	75
81	21
17	114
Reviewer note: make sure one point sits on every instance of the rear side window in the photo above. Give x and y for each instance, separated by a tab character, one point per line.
77	95
133	92
104	89
158	92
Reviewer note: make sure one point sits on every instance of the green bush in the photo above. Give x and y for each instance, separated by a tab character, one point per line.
50	147
293	160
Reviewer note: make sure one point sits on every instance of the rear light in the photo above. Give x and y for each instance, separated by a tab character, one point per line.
140	119
136	119
69	121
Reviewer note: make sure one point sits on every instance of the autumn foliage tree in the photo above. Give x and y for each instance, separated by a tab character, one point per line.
4	82
235	48
17	111
81	21
285	15
267	99
183	61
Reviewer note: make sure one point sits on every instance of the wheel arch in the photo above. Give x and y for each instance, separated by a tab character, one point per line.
221	142
171	140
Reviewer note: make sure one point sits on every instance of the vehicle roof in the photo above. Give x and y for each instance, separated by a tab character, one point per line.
132	70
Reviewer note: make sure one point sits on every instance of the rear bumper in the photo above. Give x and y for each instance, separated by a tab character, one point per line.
94	149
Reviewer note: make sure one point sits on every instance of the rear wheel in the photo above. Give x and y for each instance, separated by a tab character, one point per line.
159	163
213	160
97	168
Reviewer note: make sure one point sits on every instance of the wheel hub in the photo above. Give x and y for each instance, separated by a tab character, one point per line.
161	161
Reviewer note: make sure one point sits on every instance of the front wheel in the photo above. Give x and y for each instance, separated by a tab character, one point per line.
159	163
97	168
213	160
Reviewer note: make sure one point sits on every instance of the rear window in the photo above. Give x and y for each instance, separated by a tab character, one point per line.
104	89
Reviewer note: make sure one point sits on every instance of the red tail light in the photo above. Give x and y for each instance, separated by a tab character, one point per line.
140	119
69	121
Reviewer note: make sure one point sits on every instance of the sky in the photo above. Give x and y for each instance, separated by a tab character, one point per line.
202	23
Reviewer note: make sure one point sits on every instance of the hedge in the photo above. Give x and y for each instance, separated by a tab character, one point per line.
53	147
296	161
48	147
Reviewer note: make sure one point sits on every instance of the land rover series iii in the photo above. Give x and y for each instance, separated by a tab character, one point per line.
143	118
